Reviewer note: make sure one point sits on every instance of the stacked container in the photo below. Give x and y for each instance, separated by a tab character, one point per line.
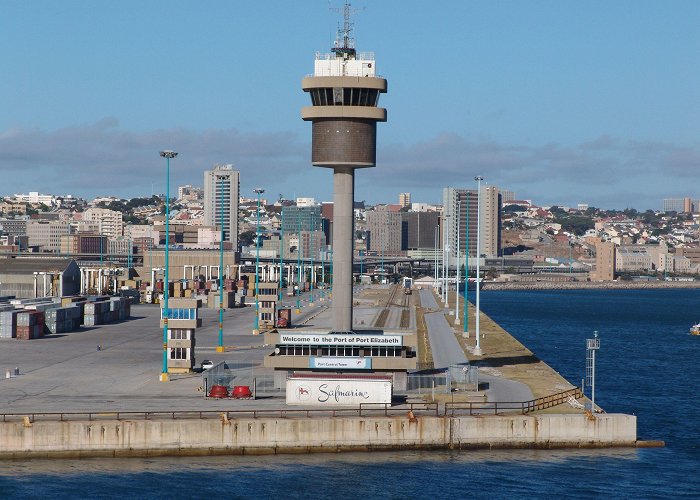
30	325
120	308
8	324
63	319
96	313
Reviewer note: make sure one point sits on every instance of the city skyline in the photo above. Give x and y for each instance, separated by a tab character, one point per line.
561	103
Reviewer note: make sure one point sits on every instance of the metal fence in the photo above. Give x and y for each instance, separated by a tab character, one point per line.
409	409
228	374
496	407
462	377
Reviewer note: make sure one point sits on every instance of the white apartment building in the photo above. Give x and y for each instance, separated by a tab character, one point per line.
110	222
34	197
222	183
460	209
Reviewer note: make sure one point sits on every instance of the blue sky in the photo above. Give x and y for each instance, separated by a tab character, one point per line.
559	101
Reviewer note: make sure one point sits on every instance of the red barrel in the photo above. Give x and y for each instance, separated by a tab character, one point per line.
241	391
218	391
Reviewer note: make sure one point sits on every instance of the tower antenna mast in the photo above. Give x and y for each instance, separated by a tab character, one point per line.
344	42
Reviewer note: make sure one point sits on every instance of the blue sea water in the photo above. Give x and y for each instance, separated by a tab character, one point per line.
647	365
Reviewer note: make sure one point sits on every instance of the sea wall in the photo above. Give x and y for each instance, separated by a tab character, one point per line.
304	435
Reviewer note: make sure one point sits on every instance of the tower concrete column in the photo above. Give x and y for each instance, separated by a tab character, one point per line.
343	231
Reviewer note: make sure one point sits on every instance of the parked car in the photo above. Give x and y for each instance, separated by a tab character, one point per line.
206	364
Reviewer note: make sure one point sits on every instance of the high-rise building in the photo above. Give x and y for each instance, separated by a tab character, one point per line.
222	183
506	195
384	228
404	199
673	205
419	229
302	227
688	205
460	209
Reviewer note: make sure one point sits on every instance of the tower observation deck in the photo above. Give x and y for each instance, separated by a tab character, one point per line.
344	112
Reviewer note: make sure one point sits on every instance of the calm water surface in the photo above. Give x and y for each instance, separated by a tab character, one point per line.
647	365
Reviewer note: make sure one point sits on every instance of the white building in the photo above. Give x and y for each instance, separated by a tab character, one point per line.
222	183
460	209
34	197
110	221
306	202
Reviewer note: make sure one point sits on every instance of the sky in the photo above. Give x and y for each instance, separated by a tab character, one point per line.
561	102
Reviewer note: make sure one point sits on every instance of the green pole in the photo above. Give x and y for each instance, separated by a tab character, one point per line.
256	326
323	271
166	312
279	288
299	258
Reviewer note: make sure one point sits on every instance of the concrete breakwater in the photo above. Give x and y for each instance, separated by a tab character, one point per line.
306	435
586	285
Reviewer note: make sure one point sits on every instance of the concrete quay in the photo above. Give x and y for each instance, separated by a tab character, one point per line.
66	373
124	438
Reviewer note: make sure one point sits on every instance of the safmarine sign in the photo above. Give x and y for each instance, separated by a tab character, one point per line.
341	339
335	392
341	363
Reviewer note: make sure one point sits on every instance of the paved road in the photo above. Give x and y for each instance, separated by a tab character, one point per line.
427	299
447	351
443	343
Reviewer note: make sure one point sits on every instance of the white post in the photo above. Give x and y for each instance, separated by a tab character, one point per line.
477	348
435	257
593	382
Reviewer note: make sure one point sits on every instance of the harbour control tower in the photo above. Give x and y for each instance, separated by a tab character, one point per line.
344	92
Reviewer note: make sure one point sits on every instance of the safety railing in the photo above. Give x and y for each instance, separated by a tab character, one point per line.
363	410
496	407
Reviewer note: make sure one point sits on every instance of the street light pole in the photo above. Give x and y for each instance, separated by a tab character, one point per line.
435	256
220	347
168	155
256	327
478	179
459	209
298	290
312	250
279	288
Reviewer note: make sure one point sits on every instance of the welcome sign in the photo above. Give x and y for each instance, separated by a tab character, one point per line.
341	339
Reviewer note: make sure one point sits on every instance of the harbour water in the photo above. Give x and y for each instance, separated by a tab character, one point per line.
647	365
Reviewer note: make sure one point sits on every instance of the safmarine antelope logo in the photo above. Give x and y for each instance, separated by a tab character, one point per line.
303	393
